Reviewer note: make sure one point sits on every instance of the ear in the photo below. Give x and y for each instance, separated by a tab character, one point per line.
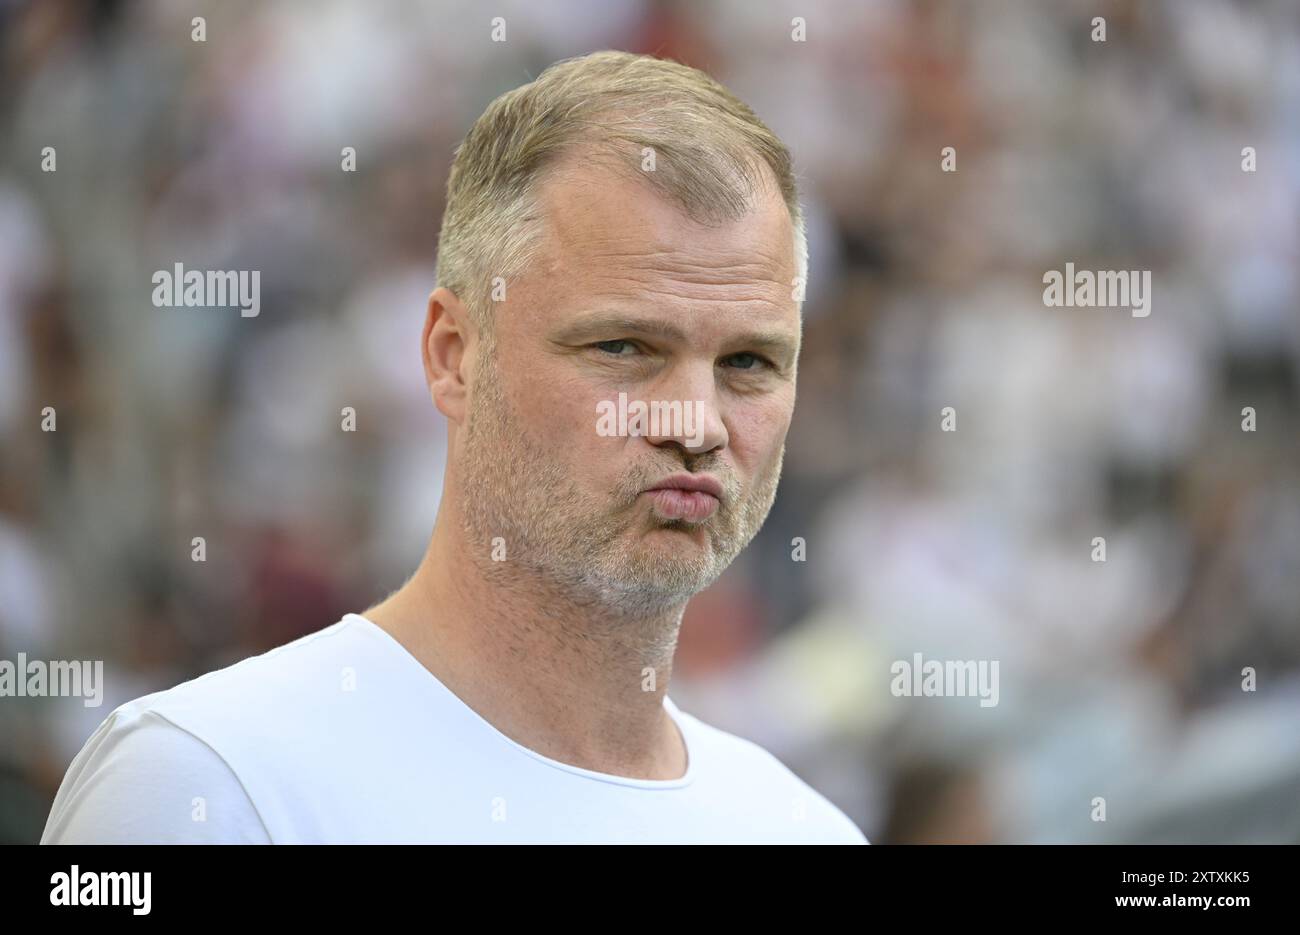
447	331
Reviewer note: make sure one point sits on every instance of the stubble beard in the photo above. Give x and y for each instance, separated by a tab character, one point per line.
519	494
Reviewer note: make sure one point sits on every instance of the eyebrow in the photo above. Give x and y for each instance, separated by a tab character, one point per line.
775	342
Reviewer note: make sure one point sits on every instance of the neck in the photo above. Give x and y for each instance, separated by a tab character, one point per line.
563	674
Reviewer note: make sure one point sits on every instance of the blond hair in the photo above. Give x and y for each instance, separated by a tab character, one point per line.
709	150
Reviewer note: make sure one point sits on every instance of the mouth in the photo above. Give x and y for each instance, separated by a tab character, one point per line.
689	497
689	505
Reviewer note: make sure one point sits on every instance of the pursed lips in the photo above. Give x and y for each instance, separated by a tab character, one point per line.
690	497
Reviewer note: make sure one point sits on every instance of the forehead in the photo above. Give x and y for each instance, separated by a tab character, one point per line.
613	237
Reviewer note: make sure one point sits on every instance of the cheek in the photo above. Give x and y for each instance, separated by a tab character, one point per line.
561	415
757	431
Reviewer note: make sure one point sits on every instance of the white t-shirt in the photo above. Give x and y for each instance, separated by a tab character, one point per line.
342	736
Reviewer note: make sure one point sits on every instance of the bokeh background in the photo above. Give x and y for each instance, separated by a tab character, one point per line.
1120	679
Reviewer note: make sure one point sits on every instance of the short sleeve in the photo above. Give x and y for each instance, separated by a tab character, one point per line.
140	779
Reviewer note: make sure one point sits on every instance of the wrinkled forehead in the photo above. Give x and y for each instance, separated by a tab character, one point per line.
614	243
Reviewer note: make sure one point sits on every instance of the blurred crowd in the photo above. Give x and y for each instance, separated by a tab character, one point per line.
1121	681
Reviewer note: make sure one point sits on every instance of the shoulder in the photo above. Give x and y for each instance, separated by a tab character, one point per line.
182	765
753	772
288	680
141	779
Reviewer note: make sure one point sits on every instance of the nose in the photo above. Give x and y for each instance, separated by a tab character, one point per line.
690	415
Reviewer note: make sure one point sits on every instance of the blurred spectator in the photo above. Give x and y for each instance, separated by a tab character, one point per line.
1122	680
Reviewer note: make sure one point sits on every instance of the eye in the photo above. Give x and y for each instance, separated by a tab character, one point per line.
612	347
751	361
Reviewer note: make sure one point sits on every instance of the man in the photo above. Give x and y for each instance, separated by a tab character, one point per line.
620	229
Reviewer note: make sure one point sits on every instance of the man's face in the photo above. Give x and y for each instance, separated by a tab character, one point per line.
630	296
